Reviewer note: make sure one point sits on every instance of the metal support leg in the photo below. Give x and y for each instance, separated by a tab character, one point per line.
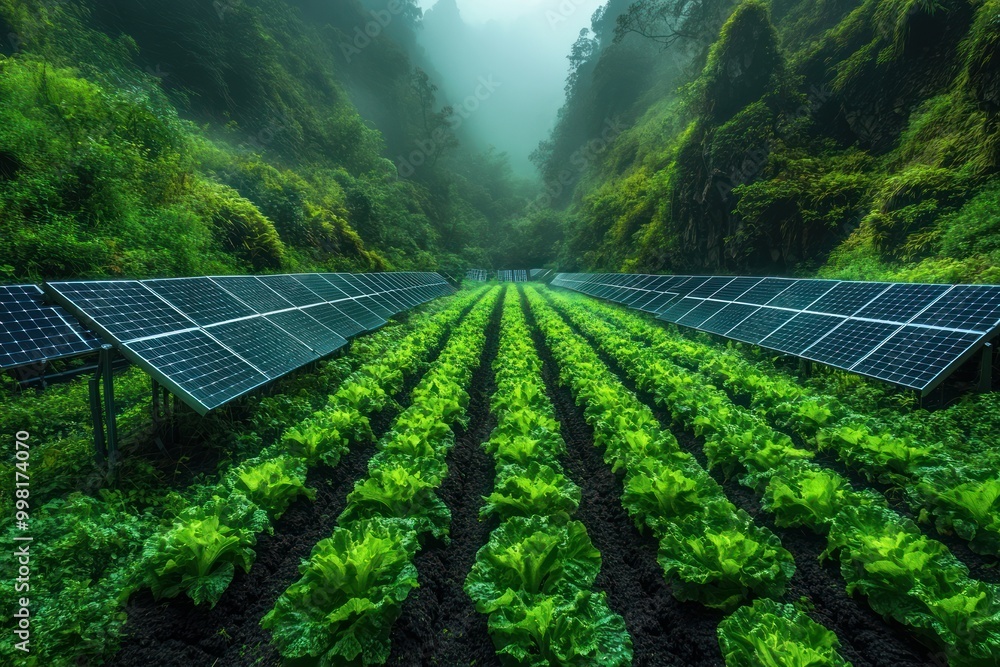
98	423
986	369
110	409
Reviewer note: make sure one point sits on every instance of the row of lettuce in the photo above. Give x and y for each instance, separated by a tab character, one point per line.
535	577
902	573
96	551
711	552
352	588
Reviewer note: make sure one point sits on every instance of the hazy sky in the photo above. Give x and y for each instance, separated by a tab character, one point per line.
523	45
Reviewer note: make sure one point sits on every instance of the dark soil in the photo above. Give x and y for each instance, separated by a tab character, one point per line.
867	639
439	623
176	633
664	631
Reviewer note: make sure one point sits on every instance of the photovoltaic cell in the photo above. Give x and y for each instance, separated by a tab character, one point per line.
801	294
765	290
969	307
292	290
377	308
658	302
850	342
700	313
679	309
728	317
320	338
334	319
193	364
255	294
32	331
341	282
760	325
800	332
915	356
321	286
125	310
848	298
710	287
902	302
270	349
361	315
200	299
733	290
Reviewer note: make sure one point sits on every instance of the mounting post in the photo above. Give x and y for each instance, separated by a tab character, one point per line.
986	369
96	420
107	371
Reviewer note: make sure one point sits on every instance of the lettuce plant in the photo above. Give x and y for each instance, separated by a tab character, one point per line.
769	634
199	553
400	492
533	490
532	556
807	495
722	561
553	631
272	485
657	492
351	591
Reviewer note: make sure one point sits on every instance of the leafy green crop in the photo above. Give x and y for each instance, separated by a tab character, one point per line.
769	634
553	631
272	485
535	490
350	593
533	556
720	563
199	554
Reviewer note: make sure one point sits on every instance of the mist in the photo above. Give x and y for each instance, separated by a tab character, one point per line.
503	67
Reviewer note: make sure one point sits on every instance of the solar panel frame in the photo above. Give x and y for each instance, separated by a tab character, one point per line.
200	299
32	331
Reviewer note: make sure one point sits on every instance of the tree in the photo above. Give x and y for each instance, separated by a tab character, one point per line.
668	22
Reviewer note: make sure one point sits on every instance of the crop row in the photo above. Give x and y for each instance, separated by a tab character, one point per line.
198	553
904	574
535	576
962	495
352	587
92	547
711	551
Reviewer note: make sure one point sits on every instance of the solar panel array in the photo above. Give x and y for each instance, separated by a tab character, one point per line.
508	276
912	335
32	331
212	339
539	274
477	275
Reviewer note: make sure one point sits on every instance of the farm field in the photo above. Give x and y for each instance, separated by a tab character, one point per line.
520	475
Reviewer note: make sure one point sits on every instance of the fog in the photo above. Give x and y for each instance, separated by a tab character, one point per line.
503	65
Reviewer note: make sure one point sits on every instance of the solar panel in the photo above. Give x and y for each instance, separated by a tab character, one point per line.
292	290
801	294
361	315
341	282
334	319
765	290
377	308
727	318
850	342
32	331
122	310
734	289
318	337
679	309
254	293
317	284
760	325
966	307
196	367
200	299
270	349
710	287
902	302
915	356
848	298
697	315
796	335
658	302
